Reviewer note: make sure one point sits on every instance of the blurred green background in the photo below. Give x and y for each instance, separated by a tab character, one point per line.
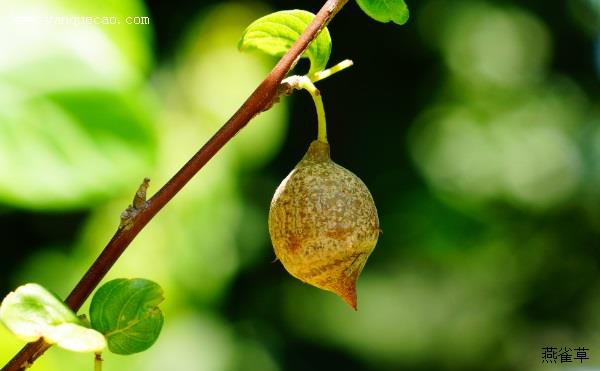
476	127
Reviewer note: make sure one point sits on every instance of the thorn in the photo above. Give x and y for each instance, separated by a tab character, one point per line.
348	293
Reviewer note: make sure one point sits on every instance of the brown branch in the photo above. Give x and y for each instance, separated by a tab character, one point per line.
260	100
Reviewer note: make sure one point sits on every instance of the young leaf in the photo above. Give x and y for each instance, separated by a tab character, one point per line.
275	33
126	312
76	338
385	10
31	312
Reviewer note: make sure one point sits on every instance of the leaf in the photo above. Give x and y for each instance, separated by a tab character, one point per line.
31	312
71	149
126	50
385	10
126	312
275	33
76	338
76	124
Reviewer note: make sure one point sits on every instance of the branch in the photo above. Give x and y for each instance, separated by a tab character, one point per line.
260	100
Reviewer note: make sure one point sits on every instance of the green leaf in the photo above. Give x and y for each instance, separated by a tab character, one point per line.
275	33
76	338
385	10
72	148
84	132
126	312
31	312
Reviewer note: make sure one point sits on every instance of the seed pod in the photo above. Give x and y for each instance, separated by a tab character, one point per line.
323	223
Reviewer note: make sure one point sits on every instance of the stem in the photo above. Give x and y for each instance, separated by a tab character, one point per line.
260	100
98	362
305	83
318	76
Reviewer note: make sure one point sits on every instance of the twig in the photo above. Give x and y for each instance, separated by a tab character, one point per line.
260	100
98	362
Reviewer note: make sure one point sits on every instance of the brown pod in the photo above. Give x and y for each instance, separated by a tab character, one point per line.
323	223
